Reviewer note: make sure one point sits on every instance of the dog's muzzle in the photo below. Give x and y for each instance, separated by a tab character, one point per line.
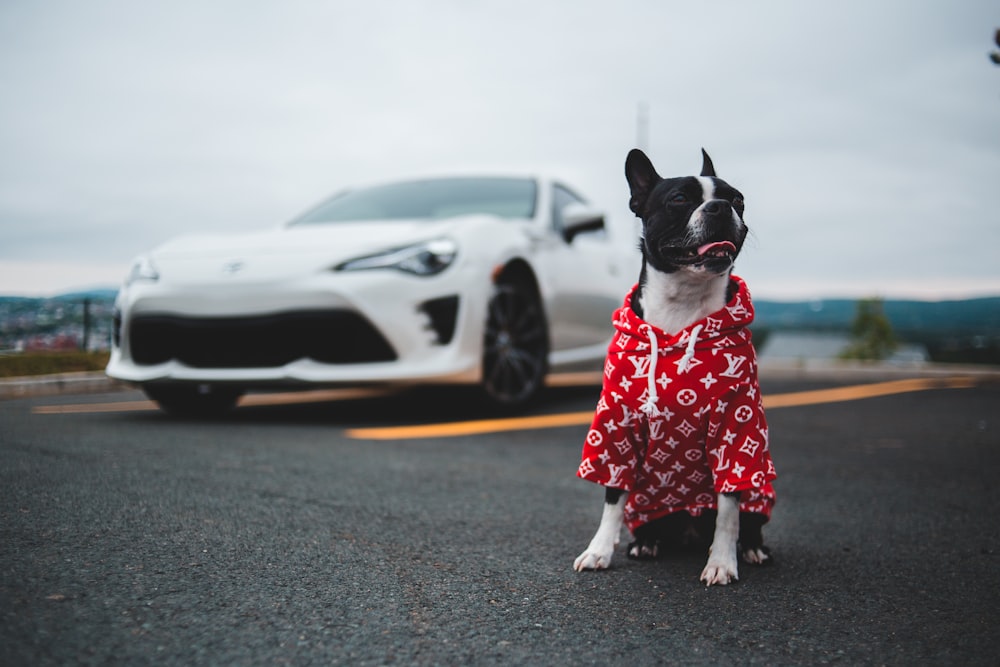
715	256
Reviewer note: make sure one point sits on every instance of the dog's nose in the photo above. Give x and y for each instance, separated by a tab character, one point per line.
716	206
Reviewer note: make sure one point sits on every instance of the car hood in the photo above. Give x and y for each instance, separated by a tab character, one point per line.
294	250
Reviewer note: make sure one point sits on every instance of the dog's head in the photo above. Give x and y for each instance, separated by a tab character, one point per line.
692	224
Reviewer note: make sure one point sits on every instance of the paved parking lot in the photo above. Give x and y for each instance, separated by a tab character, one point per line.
313	533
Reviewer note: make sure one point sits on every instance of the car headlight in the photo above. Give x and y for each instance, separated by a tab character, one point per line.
143	270
423	259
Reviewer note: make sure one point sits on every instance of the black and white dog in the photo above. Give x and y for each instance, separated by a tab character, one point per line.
679	439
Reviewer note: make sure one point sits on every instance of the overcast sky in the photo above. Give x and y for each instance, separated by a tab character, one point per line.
865	135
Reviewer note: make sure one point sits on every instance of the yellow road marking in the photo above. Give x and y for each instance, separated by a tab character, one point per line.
578	379
480	426
857	392
284	398
86	408
834	395
316	396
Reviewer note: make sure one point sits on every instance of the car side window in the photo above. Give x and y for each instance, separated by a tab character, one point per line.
563	197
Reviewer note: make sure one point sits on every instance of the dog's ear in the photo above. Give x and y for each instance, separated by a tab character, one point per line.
707	168
641	177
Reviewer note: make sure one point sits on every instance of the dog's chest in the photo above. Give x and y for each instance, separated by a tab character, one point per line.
671	303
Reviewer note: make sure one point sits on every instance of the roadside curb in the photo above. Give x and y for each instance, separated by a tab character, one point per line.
60	383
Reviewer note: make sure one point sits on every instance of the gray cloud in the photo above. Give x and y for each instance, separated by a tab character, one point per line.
864	134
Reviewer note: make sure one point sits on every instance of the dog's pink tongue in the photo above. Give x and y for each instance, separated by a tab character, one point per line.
718	245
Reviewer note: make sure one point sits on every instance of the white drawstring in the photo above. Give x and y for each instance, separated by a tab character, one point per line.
685	362
649	405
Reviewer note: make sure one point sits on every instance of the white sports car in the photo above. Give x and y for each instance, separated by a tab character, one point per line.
487	281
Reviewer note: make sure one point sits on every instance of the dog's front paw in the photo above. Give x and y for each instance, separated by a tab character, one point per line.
720	570
592	559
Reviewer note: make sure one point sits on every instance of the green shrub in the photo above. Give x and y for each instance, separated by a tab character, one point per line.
45	363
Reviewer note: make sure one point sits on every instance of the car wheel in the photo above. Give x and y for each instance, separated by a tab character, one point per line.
193	400
515	346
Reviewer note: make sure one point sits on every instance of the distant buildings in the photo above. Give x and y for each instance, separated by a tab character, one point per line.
61	323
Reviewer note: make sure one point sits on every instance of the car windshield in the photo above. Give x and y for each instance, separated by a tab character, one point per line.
428	199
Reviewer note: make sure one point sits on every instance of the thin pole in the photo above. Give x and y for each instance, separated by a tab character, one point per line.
642	126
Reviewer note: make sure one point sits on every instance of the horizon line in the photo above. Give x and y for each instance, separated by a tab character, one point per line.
798	296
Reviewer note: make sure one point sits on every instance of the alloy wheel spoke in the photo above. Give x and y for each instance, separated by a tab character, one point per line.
514	345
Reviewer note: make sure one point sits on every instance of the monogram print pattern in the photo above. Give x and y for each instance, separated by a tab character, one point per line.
680	417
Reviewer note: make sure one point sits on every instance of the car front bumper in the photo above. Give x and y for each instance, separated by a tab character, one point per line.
422	330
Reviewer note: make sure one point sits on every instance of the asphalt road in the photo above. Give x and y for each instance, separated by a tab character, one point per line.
281	536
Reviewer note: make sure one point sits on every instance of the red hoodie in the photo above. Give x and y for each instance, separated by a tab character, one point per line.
680	417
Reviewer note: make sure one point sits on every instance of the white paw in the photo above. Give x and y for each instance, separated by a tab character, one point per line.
720	570
593	560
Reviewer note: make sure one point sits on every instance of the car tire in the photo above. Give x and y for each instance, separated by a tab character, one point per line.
193	400
515	345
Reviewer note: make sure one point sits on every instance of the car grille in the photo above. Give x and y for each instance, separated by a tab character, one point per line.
329	336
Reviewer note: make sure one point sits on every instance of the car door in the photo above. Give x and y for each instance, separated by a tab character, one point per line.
585	275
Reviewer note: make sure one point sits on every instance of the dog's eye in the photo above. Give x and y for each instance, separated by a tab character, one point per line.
738	204
678	198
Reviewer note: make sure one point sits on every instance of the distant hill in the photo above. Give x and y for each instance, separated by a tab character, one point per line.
103	294
962	331
966	317
98	294
962	317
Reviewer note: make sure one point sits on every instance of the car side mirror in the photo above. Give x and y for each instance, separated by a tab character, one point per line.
578	219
